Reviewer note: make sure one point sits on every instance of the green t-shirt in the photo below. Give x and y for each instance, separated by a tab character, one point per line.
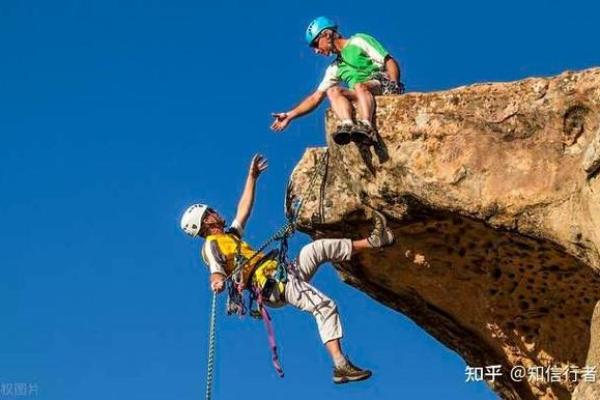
360	58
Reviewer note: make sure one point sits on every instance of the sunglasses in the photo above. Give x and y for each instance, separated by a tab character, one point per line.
315	43
207	212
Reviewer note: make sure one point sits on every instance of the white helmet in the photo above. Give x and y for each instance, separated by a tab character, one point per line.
191	221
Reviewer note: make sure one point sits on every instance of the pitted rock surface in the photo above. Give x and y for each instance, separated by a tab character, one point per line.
493	194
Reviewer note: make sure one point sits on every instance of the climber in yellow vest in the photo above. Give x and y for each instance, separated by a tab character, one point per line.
221	244
367	69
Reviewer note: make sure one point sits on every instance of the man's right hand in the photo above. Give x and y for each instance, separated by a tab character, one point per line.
217	285
258	164
281	122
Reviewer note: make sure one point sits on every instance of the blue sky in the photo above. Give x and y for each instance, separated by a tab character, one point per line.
115	115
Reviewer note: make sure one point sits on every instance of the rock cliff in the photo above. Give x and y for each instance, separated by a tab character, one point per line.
493	193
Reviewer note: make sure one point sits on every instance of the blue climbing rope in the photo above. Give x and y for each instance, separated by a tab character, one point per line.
212	338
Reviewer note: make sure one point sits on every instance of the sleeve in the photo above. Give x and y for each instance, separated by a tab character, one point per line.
372	48
330	79
213	258
236	228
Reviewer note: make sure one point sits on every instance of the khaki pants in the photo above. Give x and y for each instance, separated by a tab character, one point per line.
300	294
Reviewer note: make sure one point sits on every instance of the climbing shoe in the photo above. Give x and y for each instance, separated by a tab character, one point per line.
363	134
381	235
342	134
349	373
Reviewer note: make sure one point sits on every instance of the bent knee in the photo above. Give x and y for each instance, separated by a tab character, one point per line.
326	303
326	307
334	91
314	251
362	88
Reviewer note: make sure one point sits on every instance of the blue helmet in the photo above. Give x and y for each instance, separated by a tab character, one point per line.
317	26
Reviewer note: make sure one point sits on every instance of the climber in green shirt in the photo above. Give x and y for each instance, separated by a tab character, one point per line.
367	69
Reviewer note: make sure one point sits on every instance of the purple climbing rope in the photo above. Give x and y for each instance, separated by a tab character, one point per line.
266	317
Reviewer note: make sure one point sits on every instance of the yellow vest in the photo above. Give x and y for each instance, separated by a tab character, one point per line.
228	247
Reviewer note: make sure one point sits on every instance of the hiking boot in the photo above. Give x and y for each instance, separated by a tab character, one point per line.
381	235
363	134
349	373
342	134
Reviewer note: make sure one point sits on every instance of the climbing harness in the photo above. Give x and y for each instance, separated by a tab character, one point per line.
236	282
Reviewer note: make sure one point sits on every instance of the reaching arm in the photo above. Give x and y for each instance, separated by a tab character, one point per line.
213	258
392	68
311	102
307	105
257	166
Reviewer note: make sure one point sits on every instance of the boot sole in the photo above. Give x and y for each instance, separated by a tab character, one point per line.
361	138
389	240
391	237
347	379
342	138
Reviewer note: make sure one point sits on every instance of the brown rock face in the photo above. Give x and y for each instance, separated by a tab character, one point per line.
493	193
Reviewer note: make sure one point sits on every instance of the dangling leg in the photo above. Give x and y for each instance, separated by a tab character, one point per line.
341	105
365	131
306	297
366	102
300	294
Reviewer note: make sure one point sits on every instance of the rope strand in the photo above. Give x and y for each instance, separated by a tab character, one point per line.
212	338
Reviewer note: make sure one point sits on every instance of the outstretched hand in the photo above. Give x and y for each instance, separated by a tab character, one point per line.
258	165
281	122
